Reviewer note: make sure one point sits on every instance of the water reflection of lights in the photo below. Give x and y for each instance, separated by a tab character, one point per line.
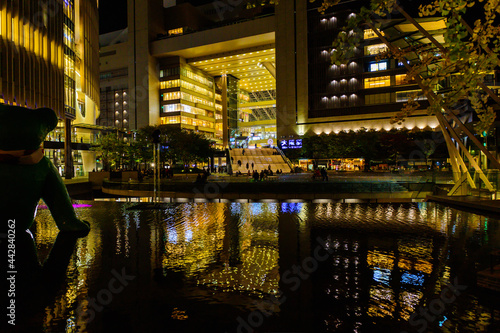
172	236
379	259
234	248
382	275
416	279
79	274
292	207
382	302
408	301
321	201
74	206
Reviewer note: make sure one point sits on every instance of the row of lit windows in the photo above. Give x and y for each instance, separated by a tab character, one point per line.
381	66
385	81
244	97
184	108
186	121
68	10
171	96
69	66
403	96
187	97
186	85
187	73
369	34
378	66
69	37
170	84
197	78
376	82
70	94
375	49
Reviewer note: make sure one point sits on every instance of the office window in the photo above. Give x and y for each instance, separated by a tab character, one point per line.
169	72
369	34
169	84
378	66
184	108
171	95
376	82
375	49
401	79
403	96
170	120
378	99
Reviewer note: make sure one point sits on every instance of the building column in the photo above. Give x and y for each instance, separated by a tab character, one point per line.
225	129
292	103
144	23
68	156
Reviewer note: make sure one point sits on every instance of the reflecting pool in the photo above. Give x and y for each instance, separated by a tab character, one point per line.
266	267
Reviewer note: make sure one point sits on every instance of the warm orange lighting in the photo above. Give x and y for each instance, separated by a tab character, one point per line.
376	82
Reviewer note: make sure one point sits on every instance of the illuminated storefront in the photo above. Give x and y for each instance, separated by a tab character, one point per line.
338	164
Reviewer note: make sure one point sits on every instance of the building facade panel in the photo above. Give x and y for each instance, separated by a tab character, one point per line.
31	48
41	66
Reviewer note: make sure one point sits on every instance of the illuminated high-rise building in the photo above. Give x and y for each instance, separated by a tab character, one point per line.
50	58
262	75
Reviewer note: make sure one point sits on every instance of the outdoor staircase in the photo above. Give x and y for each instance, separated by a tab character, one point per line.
261	158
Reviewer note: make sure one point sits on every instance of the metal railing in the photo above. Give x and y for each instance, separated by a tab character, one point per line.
247	185
286	159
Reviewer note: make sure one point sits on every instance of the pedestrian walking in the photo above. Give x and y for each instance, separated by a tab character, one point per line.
324	174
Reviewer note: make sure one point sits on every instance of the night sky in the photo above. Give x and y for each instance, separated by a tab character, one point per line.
113	14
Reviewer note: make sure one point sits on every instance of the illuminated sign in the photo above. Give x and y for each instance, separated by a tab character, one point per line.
292	144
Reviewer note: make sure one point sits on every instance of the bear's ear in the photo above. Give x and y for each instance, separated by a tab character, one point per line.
48	120
22	128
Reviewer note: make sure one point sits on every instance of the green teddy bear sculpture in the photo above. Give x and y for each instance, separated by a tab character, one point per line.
26	175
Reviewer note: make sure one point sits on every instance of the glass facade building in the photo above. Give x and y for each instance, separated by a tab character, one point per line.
188	98
49	58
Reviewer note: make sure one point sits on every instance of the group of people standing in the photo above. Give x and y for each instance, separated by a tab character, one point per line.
260	176
320	173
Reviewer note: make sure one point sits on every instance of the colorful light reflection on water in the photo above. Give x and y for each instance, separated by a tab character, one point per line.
74	206
199	264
